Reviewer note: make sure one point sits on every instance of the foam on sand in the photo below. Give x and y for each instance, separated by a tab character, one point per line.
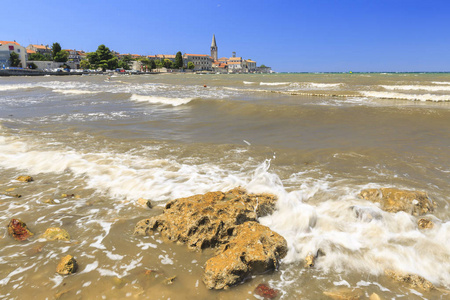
402	96
74	92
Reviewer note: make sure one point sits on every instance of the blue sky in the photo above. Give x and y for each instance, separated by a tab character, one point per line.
289	36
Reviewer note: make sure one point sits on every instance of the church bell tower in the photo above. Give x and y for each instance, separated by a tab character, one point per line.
214	48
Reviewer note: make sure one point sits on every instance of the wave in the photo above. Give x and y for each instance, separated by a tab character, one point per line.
160	100
75	92
274	83
249	82
441	82
401	96
416	88
12	87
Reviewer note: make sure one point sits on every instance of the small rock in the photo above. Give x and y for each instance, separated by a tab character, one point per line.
18	230
118	282
265	291
55	233
344	294
412	279
10	189
67	265
309	261
25	178
67	195
374	296
9	194
425	224
50	201
169	280
144	203
395	200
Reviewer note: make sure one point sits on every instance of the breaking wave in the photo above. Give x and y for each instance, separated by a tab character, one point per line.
412	97
160	100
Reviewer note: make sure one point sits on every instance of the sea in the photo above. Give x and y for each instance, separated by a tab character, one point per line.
97	144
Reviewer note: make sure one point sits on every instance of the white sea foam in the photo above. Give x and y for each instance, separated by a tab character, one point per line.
249	82
416	88
160	100
10	87
441	82
403	96
74	92
274	83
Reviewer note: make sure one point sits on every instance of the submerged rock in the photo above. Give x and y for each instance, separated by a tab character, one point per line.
425	224
395	200
25	178
56	233
254	249
206	221
67	265
412	279
265	291
374	296
169	280
344	294
144	203
18	230
227	221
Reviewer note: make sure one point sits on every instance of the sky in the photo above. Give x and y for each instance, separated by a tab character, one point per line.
289	36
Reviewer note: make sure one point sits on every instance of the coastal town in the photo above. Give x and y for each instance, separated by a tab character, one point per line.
46	59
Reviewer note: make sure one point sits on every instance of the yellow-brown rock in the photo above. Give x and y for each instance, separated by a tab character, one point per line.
144	203
412	279
309	261
25	178
425	224
395	200
254	249
344	294
18	230
67	265
207	221
56	233
374	296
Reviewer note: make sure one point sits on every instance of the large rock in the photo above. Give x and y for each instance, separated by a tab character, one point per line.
18	230
412	279
254	249
395	200
67	265
206	221
226	221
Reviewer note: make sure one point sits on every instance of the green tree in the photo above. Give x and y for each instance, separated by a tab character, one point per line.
123	64
102	58
61	56
152	64
178	60
191	65
47	57
159	63
14	60
56	47
36	56
167	63
262	66
84	64
32	66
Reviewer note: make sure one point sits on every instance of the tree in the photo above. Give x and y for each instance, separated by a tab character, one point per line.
36	56
152	64
167	63
32	66
84	64
56	47
191	65
103	58
178	60
14	60
123	64
159	63
262	66
61	56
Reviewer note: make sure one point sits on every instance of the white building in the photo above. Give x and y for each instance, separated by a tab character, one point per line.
6	47
251	65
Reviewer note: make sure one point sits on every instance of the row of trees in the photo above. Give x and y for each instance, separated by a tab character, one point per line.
57	55
104	59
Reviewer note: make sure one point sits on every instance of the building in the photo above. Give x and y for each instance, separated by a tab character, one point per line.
200	61
40	49
251	65
6	47
214	48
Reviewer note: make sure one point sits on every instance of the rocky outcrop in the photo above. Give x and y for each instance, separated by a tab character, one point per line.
226	221
67	265
254	249
56	233
411	279
25	178
207	221
395	200
18	230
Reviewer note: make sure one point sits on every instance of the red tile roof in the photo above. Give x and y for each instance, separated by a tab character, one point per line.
9	42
